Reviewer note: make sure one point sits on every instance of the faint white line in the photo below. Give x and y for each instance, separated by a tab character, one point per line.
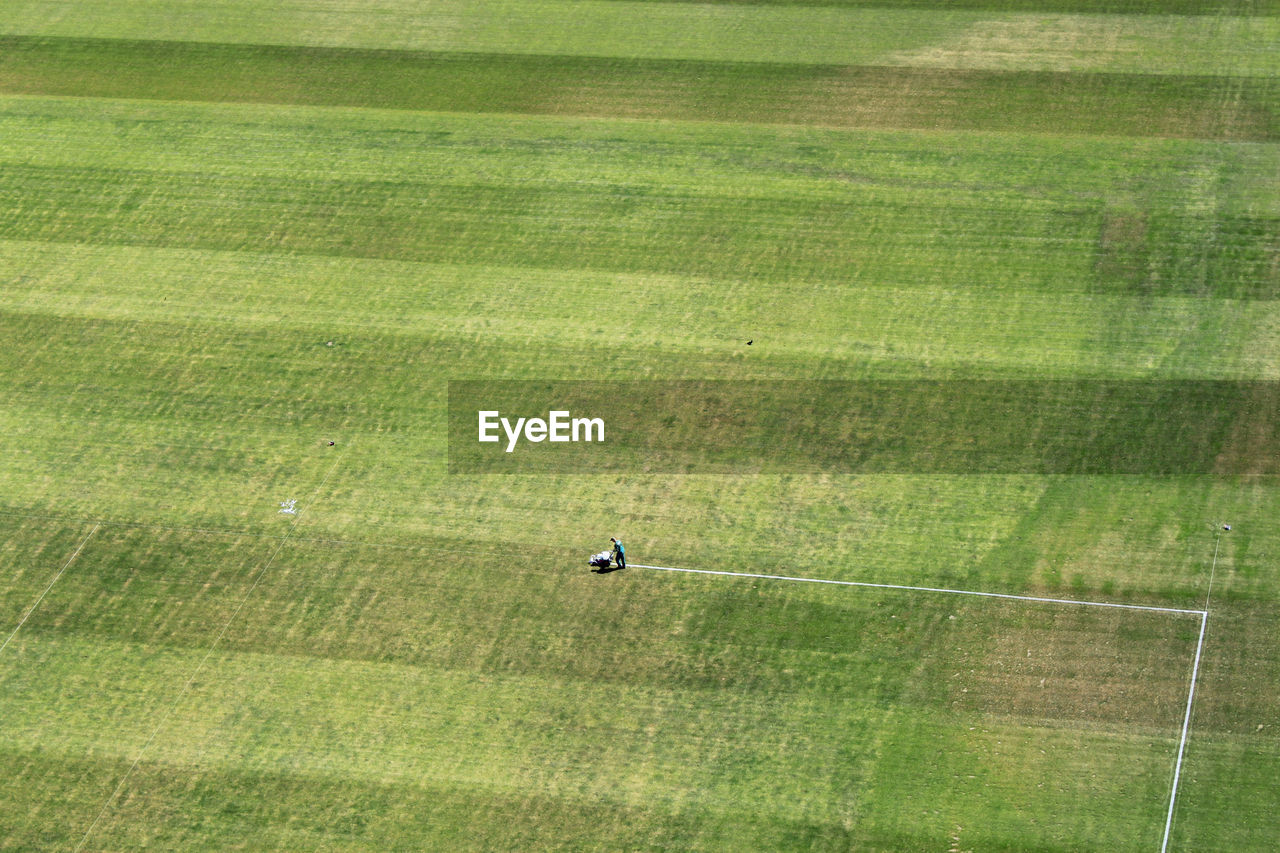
69	519
930	589
1182	744
212	647
1186	720
1216	542
1195	668
50	586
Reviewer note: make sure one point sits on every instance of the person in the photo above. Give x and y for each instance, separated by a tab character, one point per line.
619	555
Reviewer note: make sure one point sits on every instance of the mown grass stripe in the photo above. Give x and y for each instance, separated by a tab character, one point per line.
36	604
1242	108
1106	7
204	660
903	588
257	808
864	237
1209	40
667	752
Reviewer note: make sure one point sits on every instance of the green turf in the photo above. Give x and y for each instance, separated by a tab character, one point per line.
1130	104
331	674
33	552
232	232
1141	7
916	427
775	205
1164	37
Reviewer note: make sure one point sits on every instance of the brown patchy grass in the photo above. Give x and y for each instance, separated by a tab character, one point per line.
1241	662
1248	451
1123	251
1057	663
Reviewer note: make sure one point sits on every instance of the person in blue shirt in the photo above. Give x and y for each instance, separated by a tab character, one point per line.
619	555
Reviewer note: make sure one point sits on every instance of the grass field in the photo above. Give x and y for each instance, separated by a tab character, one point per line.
232	232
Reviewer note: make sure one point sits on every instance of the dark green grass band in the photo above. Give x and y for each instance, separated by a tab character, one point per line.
836	96
255	808
1071	7
630	230
945	427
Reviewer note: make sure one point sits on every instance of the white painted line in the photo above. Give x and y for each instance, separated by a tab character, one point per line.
1182	744
1217	540
1195	668
33	607
1191	693
928	589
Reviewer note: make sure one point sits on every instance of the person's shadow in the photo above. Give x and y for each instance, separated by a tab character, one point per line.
604	570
